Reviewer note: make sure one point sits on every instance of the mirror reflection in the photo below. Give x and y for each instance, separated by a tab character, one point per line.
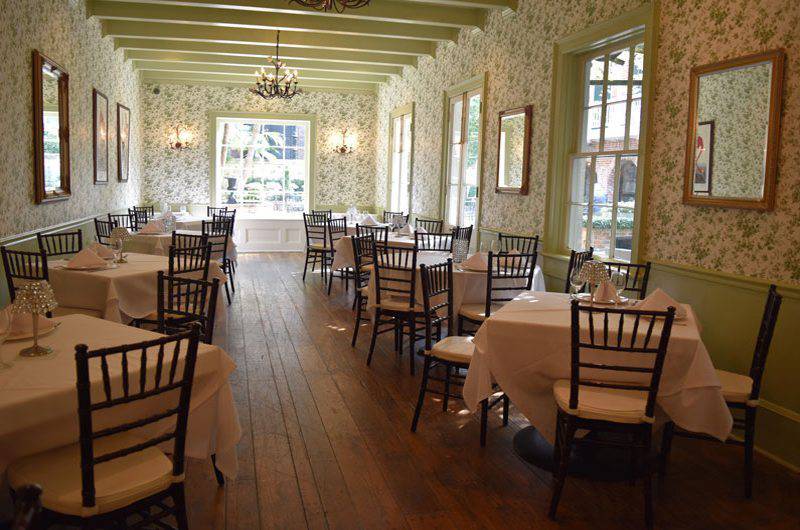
513	150
732	142
50	130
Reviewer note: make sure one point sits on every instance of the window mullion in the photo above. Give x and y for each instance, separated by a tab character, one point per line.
604	105
629	97
590	206
612	249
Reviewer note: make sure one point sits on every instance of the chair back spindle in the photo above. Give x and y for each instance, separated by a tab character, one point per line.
23	267
507	275
764	340
60	243
395	271
430	225
522	244
636	276
437	284
434	241
102	230
576	261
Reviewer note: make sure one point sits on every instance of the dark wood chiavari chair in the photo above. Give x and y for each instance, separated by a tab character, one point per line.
140	216
380	233
636	276
389	216
576	261
741	393
211	211
523	244
462	233
506	275
362	258
429	225
327	214
181	240
627	409
433	241
188	260
395	270
454	353
122	220
116	475
336	229
27	507
316	243
218	232
102	230
60	243
182	301
23	266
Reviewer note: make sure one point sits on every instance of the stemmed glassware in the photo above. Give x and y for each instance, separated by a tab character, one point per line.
619	279
576	282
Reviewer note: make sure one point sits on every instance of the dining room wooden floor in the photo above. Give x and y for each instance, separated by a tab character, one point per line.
327	442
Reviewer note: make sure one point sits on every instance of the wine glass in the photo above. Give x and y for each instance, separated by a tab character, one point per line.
576	281
494	246
619	279
5	331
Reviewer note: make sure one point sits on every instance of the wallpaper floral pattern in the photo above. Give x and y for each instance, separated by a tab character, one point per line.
759	244
60	30
737	101
184	176
519	62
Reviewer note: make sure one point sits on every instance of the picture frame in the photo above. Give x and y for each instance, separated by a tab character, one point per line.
123	142
100	136
703	174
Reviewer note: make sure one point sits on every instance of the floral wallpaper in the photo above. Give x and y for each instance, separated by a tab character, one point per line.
759	244
60	30
184	176
519	62
737	101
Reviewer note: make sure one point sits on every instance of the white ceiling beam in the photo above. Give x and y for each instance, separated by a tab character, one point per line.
200	78
380	10
249	72
140	12
122	28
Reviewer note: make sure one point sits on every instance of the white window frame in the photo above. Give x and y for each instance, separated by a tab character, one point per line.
405	112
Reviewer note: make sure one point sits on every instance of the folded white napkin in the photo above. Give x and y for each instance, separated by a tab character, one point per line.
658	300
478	261
369	220
156	226
101	250
22	323
421	230
407	230
606	292
86	259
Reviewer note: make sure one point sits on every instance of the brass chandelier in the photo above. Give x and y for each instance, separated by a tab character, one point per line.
279	84
328	5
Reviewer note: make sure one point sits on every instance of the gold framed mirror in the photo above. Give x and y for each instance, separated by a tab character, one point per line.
733	132
514	150
50	130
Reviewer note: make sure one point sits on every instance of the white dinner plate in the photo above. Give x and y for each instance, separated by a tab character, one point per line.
29	334
587	297
473	269
105	266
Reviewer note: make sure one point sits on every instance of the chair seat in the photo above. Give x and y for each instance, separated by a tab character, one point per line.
736	388
607	404
476	311
318	246
399	304
64	311
118	483
454	348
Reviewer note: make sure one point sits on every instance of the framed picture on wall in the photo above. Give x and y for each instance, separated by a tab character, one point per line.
123	141
704	158
100	136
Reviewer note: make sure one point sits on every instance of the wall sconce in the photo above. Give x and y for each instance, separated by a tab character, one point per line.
180	139
347	144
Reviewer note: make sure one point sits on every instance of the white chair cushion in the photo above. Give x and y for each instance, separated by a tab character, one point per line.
64	311
118	483
608	404
454	348
736	388
476	311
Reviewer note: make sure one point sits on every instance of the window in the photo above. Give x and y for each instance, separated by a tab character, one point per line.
400	160
604	167
463	157
263	164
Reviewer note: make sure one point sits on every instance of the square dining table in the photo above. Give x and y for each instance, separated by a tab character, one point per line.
123	292
39	403
525	347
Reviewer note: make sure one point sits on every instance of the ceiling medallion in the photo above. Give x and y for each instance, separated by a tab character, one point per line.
328	5
279	84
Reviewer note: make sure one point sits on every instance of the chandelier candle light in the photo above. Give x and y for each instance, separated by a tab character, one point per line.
328	5
279	84
36	298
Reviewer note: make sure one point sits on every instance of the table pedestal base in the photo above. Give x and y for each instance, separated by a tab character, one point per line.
586	460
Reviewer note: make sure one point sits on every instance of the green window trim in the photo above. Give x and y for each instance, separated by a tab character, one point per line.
213	118
567	56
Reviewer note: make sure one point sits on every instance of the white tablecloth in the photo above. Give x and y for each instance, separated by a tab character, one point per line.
469	287
525	348
39	404
343	249
129	290
158	244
